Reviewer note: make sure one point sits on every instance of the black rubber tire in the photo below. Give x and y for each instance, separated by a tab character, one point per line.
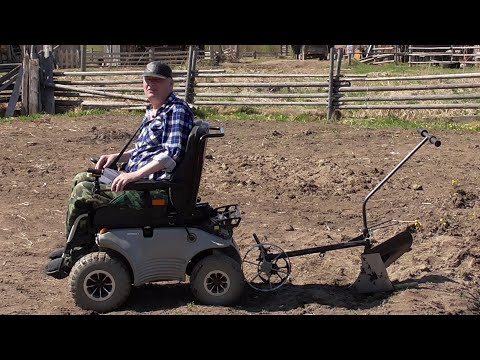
228	269
100	261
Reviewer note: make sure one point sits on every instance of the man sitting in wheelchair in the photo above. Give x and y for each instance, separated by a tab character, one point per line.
160	146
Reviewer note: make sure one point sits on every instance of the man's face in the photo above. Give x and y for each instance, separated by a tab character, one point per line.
157	89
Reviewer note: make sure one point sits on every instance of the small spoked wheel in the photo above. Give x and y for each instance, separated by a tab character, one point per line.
99	282
99	285
217	280
266	267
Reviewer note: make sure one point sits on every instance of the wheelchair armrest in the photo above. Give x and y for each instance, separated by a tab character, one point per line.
148	185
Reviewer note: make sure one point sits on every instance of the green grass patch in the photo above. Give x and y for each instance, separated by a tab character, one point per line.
79	113
249	113
75	114
394	122
22	118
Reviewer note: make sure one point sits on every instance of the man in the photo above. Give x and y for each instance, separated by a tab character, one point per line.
160	146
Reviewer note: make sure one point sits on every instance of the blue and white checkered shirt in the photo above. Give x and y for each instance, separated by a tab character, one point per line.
163	136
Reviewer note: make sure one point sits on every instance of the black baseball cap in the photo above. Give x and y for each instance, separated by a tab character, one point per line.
158	69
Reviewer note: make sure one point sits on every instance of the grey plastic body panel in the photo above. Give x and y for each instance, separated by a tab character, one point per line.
165	255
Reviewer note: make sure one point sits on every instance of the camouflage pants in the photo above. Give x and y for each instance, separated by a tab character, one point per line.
83	200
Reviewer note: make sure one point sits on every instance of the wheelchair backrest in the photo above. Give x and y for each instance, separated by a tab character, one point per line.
189	171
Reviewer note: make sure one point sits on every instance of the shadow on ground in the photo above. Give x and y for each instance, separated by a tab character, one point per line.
153	297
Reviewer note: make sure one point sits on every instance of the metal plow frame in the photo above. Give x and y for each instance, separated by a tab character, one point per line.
373	275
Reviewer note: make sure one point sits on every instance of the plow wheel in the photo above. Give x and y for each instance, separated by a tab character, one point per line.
266	267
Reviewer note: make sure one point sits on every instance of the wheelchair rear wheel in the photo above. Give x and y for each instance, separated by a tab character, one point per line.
217	280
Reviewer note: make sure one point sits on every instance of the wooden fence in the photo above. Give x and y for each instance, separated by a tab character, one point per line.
444	55
334	91
448	56
198	87
448	91
71	59
124	87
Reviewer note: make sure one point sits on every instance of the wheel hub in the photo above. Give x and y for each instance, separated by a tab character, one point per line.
99	285
216	283
266	267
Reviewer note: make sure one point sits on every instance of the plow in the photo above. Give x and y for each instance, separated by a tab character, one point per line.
267	267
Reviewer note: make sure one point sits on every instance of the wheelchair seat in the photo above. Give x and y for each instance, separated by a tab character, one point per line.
182	188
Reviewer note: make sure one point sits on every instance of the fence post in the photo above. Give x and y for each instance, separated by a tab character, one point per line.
46	80
83	59
151	54
192	76
33	85
189	74
409	55
26	58
339	62
335	86
330	85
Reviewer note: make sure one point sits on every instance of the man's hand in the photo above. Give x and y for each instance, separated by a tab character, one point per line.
105	161
123	179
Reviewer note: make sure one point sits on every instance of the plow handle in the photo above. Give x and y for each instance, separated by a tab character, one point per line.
431	138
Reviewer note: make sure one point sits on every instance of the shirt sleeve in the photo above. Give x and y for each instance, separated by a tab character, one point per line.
178	125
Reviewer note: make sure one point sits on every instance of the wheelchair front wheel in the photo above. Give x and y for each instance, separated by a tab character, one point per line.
99	282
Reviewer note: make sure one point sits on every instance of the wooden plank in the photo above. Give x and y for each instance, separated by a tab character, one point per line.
47	95
127	72
410	87
106	104
9	74
188	83
102	93
267	75
12	103
408	98
83	59
111	82
262	95
69	94
70	59
339	63
127	89
25	83
273	84
330	85
416	77
8	67
411	106
8	82
33	87
266	103
60	59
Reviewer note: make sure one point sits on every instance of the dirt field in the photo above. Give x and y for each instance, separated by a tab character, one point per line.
299	184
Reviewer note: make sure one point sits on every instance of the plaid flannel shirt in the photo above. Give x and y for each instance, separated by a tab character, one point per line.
163	137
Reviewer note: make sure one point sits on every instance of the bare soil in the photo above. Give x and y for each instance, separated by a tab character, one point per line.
298	184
